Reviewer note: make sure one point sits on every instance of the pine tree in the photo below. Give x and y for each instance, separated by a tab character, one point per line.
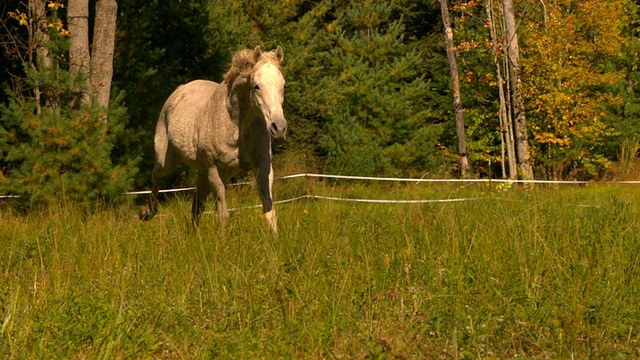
355	84
52	150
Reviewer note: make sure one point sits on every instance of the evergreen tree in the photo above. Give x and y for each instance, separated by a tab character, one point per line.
356	87
51	150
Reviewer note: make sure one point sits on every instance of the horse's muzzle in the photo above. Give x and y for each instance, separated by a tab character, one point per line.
278	128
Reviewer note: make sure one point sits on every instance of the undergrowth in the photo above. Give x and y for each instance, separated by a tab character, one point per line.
540	272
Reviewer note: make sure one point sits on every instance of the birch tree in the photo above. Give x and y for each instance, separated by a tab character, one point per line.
103	46
37	39
513	56
455	85
95	64
79	56
506	124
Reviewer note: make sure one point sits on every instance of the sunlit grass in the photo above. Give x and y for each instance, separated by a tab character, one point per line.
545	272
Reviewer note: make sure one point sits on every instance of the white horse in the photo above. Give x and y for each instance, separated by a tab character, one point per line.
222	129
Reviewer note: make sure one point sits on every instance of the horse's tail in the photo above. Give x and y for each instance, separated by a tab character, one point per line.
161	146
161	138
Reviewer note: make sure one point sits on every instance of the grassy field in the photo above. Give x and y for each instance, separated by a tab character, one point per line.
542	272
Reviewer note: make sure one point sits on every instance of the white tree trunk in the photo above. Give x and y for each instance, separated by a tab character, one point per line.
103	46
37	39
513	52
506	126
455	84
79	56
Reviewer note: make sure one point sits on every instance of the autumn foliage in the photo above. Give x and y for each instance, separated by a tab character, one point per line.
570	82
368	83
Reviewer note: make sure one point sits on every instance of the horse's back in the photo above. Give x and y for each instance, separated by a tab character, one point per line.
188	102
179	119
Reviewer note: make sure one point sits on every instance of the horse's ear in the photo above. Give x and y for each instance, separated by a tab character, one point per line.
257	53
279	54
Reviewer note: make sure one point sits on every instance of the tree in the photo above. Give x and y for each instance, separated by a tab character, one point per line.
485	123
368	83
95	66
506	123
574	84
356	89
52	148
104	34
79	55
517	100
455	84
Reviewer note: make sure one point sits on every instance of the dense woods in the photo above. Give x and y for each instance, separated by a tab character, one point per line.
547	89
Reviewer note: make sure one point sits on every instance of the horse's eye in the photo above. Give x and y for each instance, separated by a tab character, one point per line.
256	87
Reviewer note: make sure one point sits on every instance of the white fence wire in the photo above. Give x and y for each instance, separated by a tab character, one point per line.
388	179
374	201
385	179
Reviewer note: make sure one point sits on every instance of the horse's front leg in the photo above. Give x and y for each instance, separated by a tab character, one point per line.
209	181
203	189
264	179
217	184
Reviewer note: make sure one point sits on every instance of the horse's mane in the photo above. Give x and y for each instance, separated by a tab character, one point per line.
244	64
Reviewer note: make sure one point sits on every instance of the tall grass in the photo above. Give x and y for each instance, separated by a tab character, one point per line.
628	150
536	273
627	167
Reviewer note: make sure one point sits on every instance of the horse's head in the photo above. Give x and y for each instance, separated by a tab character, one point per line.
267	90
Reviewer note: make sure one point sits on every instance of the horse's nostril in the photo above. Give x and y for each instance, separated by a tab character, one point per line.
278	129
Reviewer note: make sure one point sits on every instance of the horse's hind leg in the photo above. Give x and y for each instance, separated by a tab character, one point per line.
159	171
155	188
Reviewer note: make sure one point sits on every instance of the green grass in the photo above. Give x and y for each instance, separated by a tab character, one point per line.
539	273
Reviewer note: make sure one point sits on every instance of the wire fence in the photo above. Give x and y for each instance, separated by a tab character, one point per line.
373	201
389	179
408	180
383	179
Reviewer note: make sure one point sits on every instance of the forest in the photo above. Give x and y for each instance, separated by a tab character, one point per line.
544	89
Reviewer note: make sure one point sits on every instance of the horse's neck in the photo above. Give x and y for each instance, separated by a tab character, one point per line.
239	106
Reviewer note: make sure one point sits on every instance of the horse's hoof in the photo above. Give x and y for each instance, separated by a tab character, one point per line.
272	221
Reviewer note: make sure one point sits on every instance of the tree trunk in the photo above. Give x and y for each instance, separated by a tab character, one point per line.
79	56
506	126
455	84
37	39
513	53
104	35
40	37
